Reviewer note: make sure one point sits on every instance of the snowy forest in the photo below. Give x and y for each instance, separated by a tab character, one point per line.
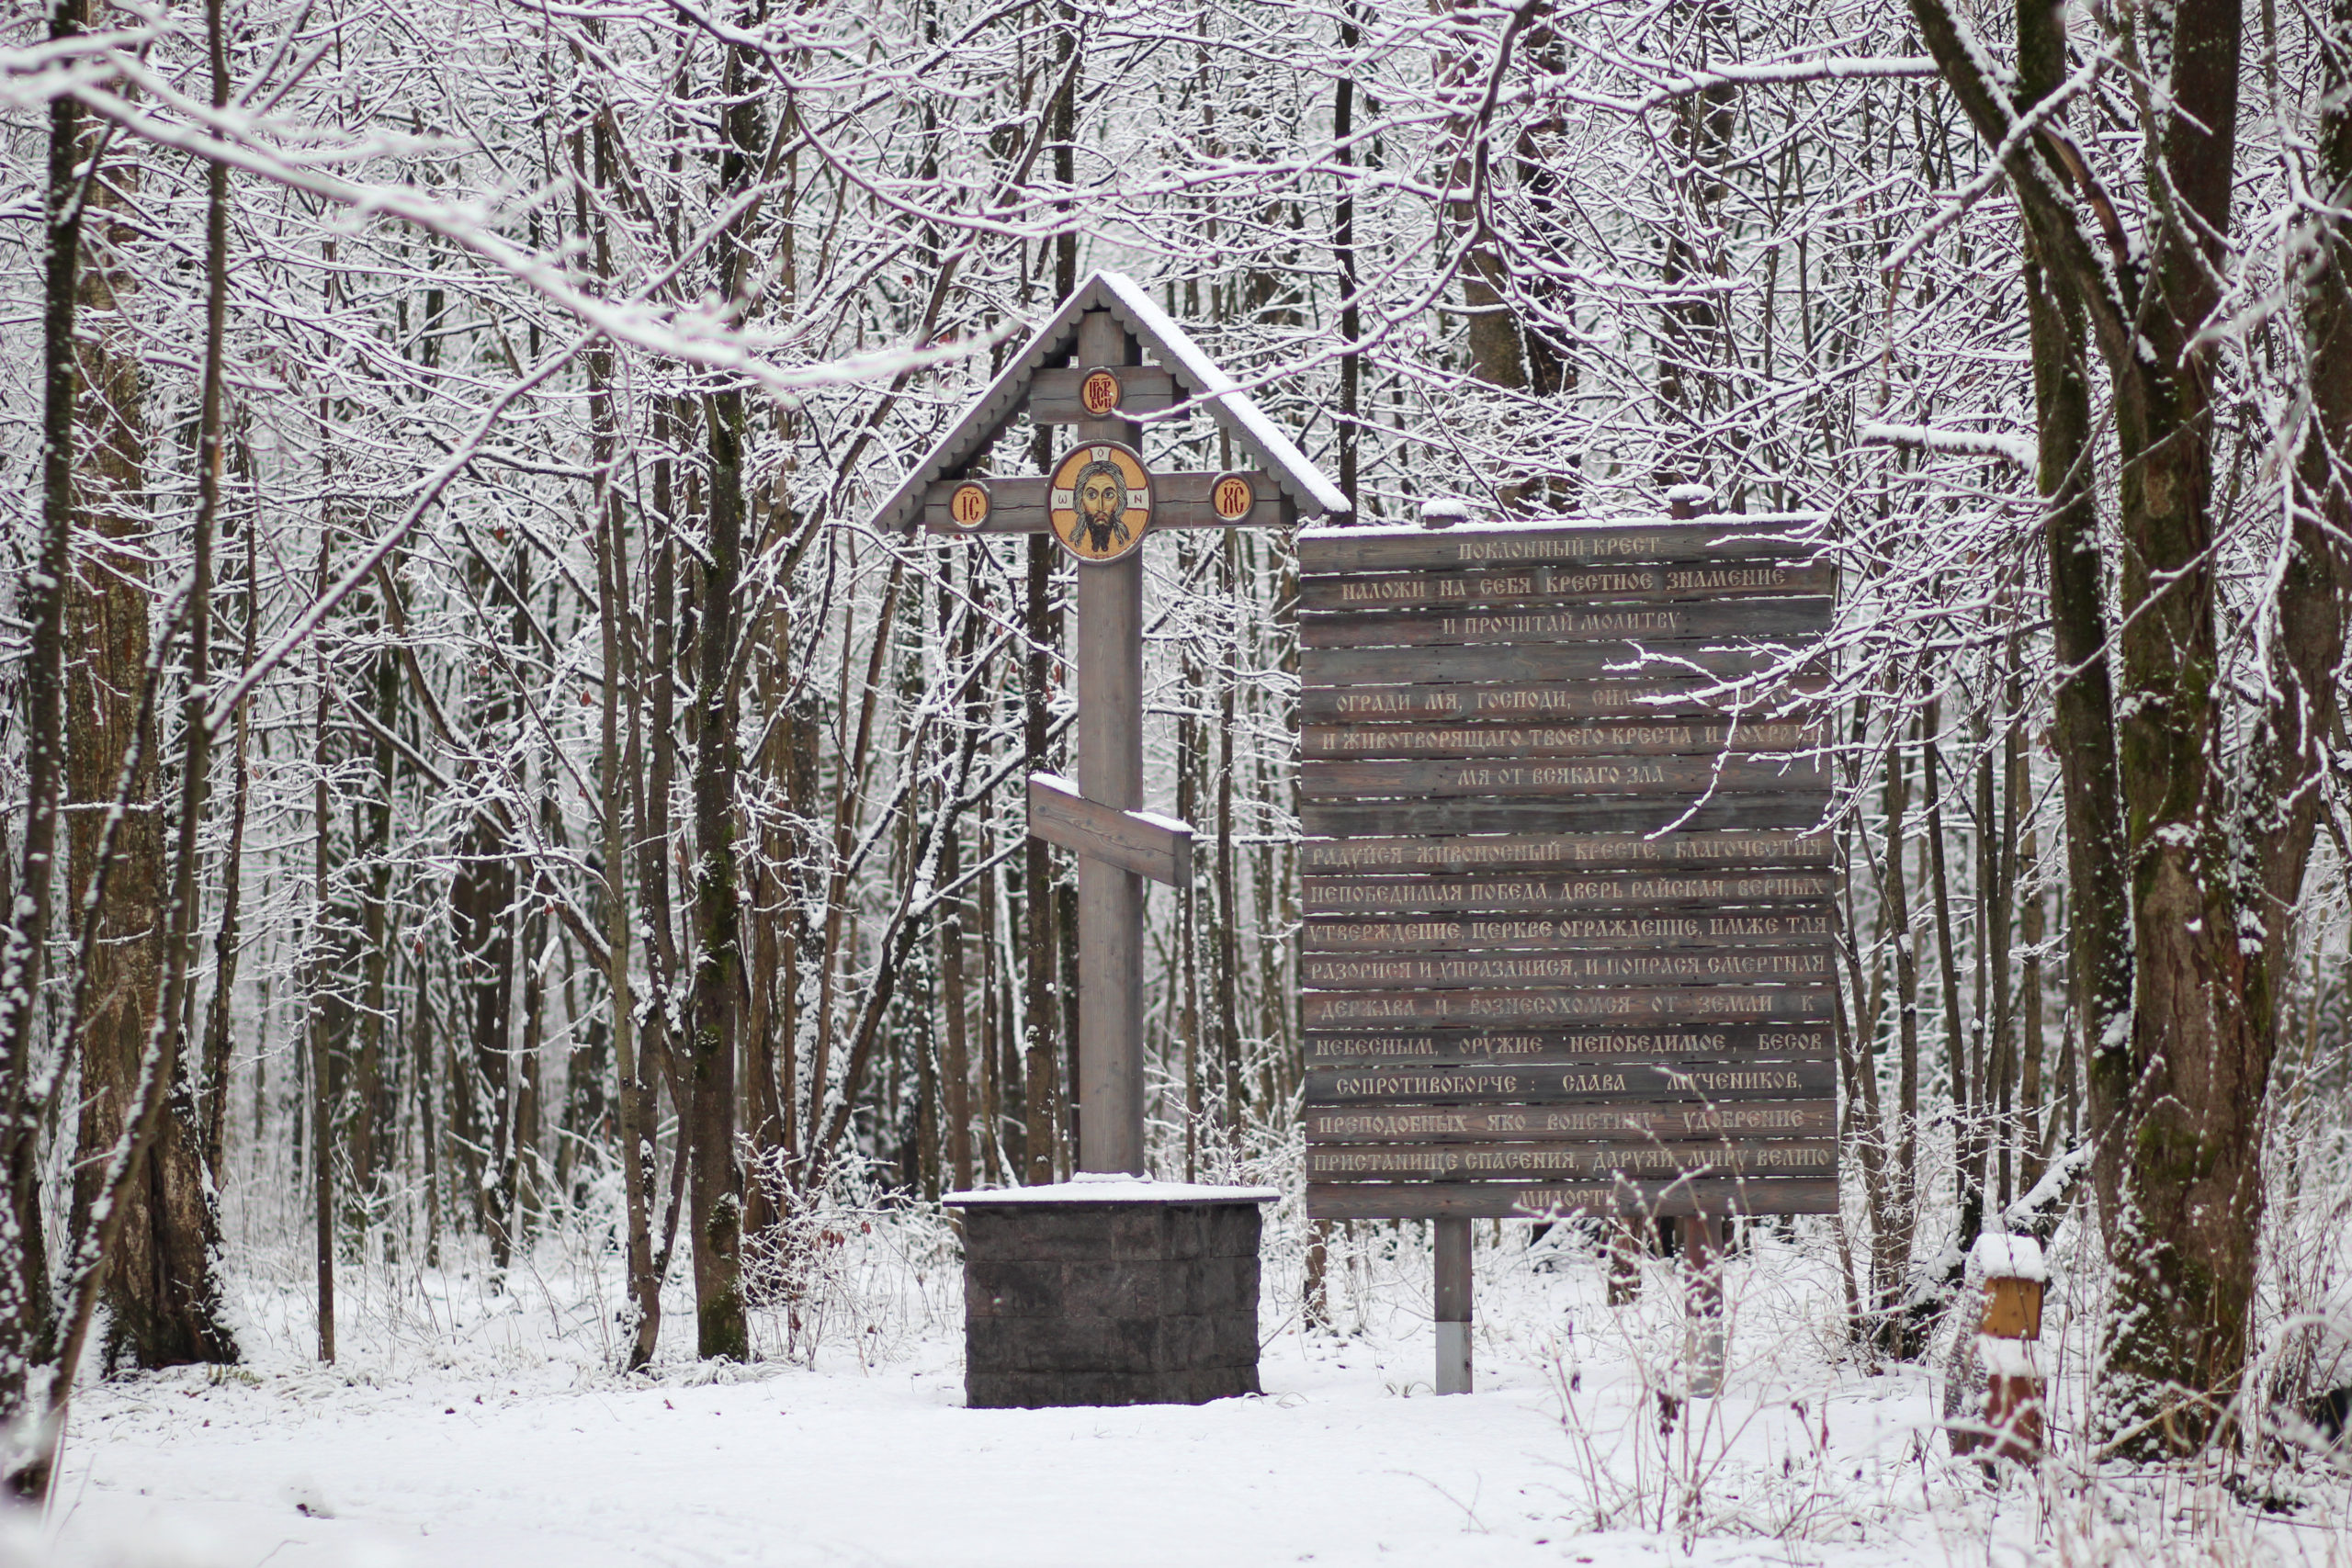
478	796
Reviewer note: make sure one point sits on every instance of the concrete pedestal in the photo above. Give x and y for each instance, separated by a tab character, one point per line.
1110	1293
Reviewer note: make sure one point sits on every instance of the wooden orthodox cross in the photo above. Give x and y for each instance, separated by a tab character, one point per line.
1085	368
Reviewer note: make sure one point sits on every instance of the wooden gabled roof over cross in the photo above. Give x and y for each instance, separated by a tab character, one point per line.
1087	368
1043	381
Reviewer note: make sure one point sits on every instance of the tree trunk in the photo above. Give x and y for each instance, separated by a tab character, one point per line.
26	1323
1903	1179
641	1323
1693	349
715	1182
2033	928
955	1061
715	1179
1191	698
370	1117
482	900
2315	594
217	1040
319	1037
2182	1238
650	777
1034	1160
1229	918
1507	350
162	1300
2082	720
1348	431
2177	1104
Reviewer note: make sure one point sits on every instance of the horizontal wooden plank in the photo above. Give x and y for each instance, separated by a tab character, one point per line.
1531	661
1774	619
1341	549
1568	1162
1053	394
1693	965
1566	851
1598	1082
1551	1047
1680	930
1442	700
1573	1083
1500	1200
1148	846
1572	777
1630	1121
1324	895
1017	504
1702	738
1618	814
1182	501
1557	585
1556	1006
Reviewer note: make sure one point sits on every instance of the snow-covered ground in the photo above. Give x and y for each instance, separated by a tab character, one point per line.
468	1427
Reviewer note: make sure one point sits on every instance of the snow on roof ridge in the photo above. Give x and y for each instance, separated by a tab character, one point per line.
1221	392
1209	385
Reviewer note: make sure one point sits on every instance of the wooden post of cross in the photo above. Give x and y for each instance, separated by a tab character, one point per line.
1110	772
1085	368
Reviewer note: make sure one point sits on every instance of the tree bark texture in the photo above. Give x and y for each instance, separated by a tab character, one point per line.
481	900
26	1323
162	1301
1034	1157
714	1176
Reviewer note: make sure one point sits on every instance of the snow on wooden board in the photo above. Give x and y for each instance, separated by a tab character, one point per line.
1696	544
1142	841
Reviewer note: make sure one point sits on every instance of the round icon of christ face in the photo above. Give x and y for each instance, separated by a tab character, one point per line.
1100	503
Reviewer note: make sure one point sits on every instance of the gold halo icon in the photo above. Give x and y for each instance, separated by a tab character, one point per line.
1099	500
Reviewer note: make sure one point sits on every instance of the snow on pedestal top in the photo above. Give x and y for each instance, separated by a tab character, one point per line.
1113	1187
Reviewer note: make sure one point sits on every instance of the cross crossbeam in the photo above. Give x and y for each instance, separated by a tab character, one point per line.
1183	500
1157	847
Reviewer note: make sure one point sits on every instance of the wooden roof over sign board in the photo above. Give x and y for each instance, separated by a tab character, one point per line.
1195	375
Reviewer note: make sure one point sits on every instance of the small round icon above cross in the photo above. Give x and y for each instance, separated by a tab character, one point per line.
1099	394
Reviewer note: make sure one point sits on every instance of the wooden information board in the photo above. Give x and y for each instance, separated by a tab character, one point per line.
1567	921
